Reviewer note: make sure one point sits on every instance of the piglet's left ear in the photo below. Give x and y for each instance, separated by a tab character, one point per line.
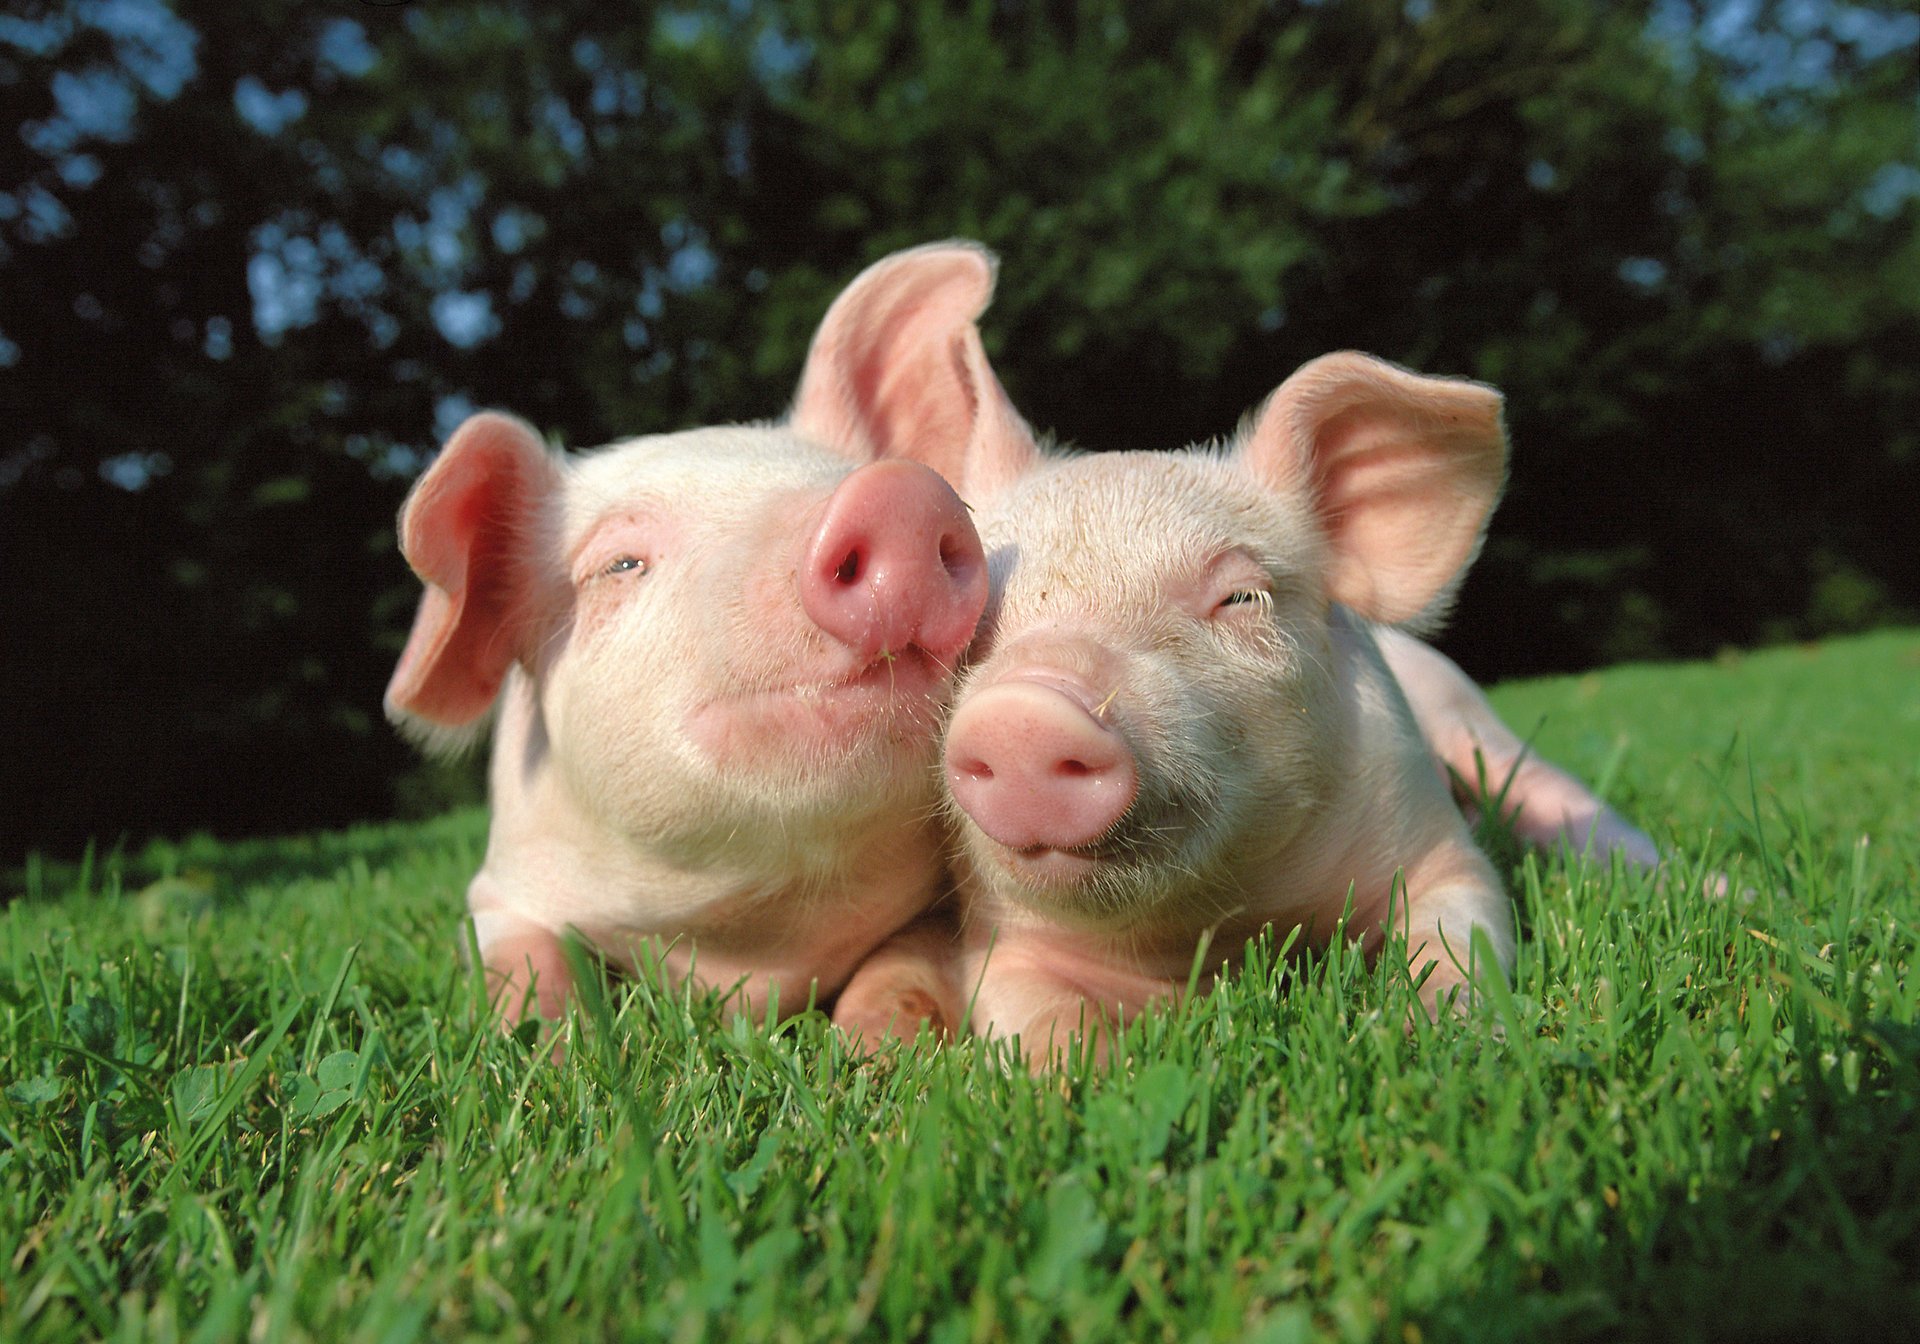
1402	471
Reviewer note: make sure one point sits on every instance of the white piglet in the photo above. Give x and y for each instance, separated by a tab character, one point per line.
716	661
1178	724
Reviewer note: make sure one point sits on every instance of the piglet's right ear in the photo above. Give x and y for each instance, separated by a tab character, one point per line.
897	370
470	529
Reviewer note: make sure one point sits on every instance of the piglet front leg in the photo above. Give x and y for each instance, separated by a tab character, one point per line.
1056	991
1450	893
526	966
909	981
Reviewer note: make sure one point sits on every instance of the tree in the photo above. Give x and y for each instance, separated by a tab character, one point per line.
255	260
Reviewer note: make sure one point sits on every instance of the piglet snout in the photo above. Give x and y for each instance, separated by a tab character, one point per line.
1035	769
895	563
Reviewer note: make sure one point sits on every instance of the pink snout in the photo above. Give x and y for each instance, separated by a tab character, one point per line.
895	564
1034	769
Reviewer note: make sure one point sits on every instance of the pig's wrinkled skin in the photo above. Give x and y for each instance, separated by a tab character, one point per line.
717	661
1180	725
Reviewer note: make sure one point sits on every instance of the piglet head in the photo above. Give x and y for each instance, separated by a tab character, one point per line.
730	635
1160	703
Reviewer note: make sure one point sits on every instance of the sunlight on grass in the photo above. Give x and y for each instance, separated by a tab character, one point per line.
250	1092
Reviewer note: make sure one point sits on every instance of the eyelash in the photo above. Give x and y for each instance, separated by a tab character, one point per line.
1241	597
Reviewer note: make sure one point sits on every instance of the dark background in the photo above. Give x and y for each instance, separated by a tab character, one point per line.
257	258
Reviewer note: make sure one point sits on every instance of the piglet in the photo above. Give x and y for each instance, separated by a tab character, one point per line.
1178	723
716	661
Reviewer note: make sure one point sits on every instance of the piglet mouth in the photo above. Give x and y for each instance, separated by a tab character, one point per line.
911	672
1104	851
1104	886
897	695
1127	847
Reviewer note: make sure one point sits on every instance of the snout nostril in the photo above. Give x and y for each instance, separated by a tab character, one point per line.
1072	769
974	768
953	556
850	566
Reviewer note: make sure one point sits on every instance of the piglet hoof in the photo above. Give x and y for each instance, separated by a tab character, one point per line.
1058	1040
1047	1054
1447	994
529	981
873	1024
1713	885
879	1008
905	984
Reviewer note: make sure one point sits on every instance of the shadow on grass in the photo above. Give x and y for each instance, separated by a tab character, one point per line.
201	868
1810	1231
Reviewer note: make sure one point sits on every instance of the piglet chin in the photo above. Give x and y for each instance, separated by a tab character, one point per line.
1045	866
1098	890
895	698
1056	872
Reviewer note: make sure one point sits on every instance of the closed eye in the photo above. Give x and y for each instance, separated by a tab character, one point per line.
1246	597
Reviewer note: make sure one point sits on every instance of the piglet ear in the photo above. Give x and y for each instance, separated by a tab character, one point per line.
1403	472
897	370
470	529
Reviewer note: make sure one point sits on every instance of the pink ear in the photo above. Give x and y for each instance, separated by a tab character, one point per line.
467	529
1404	471
897	370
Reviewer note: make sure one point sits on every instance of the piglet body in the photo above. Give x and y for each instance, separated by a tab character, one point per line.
1179	725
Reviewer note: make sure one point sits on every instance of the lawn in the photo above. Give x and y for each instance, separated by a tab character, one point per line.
246	1091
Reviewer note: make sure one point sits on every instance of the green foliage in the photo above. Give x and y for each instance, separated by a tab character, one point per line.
1694	1115
255	259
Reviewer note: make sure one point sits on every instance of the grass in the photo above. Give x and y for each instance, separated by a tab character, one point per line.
248	1092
